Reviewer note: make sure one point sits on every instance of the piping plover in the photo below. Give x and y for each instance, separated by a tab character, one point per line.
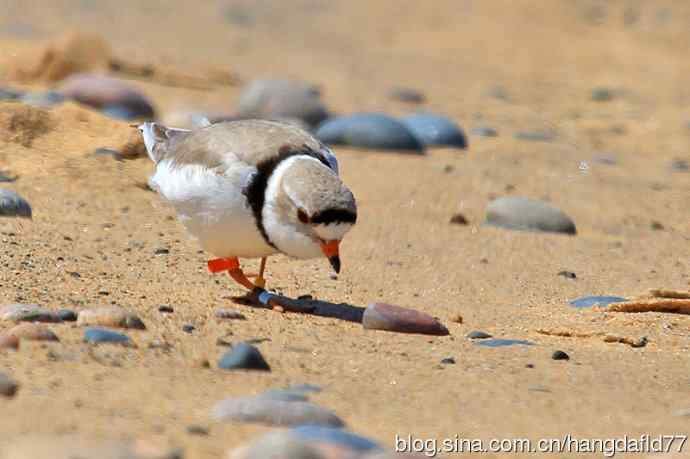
250	189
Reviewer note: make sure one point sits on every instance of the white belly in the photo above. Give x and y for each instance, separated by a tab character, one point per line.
212	208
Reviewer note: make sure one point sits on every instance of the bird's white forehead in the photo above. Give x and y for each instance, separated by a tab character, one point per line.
333	231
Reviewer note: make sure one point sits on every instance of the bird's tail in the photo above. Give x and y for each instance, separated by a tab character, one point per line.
156	138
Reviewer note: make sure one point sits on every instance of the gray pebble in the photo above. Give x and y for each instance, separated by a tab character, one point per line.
536	136
13	205
229	314
478	334
243	356
369	130
521	213
187	328
270	411
448	361
435	130
96	335
603	94
499	342
67	315
560	355
8	386
27	313
279	99
601	301
485	131
408	95
680	165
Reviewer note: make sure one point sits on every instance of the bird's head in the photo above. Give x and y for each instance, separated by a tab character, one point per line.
308	210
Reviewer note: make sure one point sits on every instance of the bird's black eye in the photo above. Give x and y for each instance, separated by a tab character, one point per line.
302	216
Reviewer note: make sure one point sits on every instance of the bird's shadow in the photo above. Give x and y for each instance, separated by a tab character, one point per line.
259	298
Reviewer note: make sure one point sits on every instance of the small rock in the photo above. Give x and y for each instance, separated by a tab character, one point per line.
382	316
520	213
13	205
642	342
538	388
408	95
478	334
164	308
197	430
568	274
67	315
110	316
338	437
110	95
657	226
223	313
8	341
33	332
448	361
266	410
27	313
435	130
8	386
603	94
536	136
161	251
459	219
279	98
187	328
369	130
245	357
96	335
560	355
485	131
680	165
601	301
503	342
499	92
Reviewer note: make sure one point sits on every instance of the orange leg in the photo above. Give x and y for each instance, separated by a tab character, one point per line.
260	281
232	266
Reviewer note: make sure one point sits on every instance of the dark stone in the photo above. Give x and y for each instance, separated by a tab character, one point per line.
19	312
435	130
478	334
601	301
657	226
503	342
459	219
680	165
560	355
187	328
382	316
67	315
96	335
13	205
448	361
8	386
161	251
408	95
369	130
164	308
568	274
195	429
603	94
519	213
245	357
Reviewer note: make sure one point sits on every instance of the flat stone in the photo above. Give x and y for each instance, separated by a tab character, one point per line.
478	334
113	96
498	342
485	131
33	332
280	99
27	313
448	361
8	341
96	335
435	130
560	355
536	136
269	411
8	386
224	313
67	315
519	213
243	356
339	437
13	205
382	316
601	301
369	130
110	316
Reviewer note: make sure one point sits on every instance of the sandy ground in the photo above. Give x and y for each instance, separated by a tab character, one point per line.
92	218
